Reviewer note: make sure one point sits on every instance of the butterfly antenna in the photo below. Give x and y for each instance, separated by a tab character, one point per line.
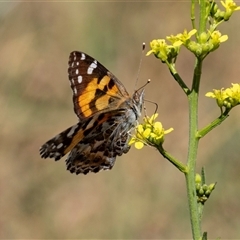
139	68
148	81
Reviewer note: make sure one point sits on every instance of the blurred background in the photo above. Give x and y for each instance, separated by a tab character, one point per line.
143	196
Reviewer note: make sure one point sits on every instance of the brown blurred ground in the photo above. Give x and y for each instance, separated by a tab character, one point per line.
143	196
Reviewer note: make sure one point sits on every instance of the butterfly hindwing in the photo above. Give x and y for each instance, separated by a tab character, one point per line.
98	150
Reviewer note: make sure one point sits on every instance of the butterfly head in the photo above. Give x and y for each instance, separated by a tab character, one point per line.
138	98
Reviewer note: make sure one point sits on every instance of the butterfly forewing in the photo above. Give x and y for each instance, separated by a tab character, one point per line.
95	89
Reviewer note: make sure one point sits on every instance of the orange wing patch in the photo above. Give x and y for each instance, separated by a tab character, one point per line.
102	102
77	138
87	96
107	81
89	101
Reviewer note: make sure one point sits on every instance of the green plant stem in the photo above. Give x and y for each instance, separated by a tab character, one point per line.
177	77
201	133
200	205
192	152
193	14
203	17
174	161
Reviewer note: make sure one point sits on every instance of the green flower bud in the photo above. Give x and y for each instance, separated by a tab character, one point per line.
207	193
201	192
203	37
198	178
205	187
212	186
198	187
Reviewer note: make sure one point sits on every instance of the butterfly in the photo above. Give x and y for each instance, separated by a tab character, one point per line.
106	112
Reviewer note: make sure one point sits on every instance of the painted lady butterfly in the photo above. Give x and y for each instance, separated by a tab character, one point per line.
106	114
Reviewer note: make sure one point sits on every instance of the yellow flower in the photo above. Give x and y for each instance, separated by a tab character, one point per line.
234	94
185	36
162	50
219	95
215	39
229	98
158	48
149	133
230	6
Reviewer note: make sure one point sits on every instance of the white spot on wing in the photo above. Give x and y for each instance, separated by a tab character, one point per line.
79	79
77	71
83	56
72	130
75	90
72	81
60	145
92	67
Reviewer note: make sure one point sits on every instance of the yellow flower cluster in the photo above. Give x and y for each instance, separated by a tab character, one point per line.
207	42
162	50
149	133
228	98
